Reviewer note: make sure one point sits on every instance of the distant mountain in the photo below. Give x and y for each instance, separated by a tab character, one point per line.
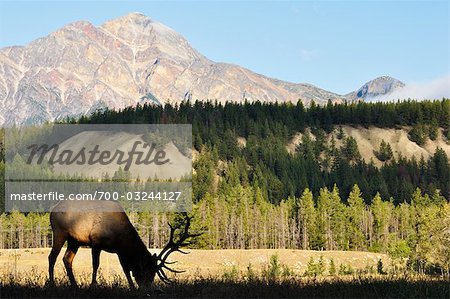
128	60
376	87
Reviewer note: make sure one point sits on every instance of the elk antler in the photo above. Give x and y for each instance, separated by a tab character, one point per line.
173	246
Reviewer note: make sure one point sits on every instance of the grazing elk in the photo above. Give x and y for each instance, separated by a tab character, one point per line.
105	226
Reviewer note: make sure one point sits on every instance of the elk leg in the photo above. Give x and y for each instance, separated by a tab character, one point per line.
127	271
58	241
95	264
130	280
72	248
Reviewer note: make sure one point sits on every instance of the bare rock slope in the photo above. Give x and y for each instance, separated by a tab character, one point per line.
131	59
369	140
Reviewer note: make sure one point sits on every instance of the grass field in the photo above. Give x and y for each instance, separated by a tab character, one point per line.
219	274
197	263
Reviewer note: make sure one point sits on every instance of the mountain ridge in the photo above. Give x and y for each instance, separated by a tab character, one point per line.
124	61
379	86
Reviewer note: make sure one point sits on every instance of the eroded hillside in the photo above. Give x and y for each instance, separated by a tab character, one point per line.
369	140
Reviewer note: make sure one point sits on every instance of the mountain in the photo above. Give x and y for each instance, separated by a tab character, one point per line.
376	87
131	59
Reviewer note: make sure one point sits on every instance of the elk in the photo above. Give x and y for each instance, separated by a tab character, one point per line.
104	225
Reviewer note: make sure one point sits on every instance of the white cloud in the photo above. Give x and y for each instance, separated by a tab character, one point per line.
436	89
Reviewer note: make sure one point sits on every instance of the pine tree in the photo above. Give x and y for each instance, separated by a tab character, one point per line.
311	268
418	134
307	218
350	149
433	130
323	239
338	222
385	152
356	212
381	212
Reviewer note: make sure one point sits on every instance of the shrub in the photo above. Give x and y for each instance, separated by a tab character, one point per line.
273	272
385	153
315	269
346	270
231	275
332	269
310	268
251	273
321	266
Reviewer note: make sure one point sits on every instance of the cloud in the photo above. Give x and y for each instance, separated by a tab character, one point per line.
436	89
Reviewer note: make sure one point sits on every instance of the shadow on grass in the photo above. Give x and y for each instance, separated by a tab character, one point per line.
211	288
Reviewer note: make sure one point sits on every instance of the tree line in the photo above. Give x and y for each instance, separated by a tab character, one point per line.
240	218
250	118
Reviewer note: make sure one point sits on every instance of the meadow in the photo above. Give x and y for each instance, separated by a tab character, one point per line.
263	273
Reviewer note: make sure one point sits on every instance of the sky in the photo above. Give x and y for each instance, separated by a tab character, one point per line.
336	45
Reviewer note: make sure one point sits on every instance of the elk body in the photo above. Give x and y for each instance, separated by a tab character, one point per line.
104	225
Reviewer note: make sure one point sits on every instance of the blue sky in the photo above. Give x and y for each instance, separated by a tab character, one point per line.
335	45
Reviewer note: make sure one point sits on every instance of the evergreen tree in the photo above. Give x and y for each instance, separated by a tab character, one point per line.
418	134
381	212
385	152
307	218
350	149
356	214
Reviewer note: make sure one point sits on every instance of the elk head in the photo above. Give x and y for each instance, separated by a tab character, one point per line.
146	270
159	263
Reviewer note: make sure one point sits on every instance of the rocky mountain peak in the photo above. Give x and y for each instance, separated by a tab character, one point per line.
135	21
128	60
139	29
80	24
379	86
136	17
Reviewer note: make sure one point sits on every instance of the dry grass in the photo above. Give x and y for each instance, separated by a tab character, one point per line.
213	287
216	274
198	262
